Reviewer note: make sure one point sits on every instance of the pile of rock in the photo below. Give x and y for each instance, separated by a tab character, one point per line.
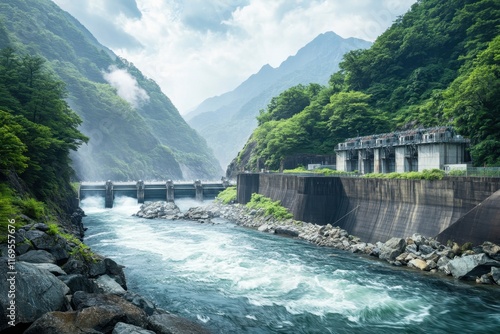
63	289
481	263
170	211
160	209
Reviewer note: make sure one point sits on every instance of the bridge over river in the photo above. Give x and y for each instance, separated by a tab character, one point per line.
152	190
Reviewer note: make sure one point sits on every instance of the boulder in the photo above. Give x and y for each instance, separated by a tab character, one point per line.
418	263
470	266
142	303
94	319
493	250
442	262
172	324
495	275
286	230
37	256
37	292
123	328
52	268
107	310
106	284
263	228
484	279
53	244
78	282
425	249
392	248
158	210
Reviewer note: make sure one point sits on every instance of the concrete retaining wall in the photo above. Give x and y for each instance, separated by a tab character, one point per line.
378	209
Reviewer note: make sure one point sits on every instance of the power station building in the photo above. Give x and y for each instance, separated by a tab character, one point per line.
406	151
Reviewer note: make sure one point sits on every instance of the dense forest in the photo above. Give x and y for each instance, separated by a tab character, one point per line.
134	130
38	131
439	64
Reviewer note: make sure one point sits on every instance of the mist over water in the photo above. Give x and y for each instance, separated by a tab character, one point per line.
236	280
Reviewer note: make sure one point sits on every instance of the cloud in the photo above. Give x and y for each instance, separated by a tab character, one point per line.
126	86
197	49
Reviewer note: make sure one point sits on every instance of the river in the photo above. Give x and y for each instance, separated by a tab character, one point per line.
237	280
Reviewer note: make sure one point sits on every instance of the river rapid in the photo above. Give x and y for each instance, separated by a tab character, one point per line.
237	280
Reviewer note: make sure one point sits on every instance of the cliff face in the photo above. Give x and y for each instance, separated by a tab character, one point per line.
378	209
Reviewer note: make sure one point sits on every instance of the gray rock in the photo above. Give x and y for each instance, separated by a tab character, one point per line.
97	268
41	227
75	266
484	279
418	239
53	244
263	228
78	282
493	250
106	284
495	275
158	210
93	320
115	270
172	324
123	328
52	268
108	309
37	292
412	248
286	230
37	256
442	262
425	249
419	263
392	248
470	266
142	303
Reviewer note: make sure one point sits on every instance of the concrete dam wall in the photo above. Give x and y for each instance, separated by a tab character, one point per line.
458	209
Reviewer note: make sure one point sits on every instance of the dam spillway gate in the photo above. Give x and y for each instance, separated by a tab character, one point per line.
152	190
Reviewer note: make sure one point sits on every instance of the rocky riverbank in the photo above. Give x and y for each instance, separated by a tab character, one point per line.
55	284
481	263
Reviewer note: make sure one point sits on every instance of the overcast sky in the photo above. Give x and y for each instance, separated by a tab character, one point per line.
195	49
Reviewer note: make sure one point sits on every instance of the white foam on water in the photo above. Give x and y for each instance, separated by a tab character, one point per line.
203	318
238	266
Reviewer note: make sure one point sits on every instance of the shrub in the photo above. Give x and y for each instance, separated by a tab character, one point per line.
433	174
269	207
32	208
227	196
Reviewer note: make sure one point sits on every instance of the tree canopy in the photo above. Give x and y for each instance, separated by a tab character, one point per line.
38	129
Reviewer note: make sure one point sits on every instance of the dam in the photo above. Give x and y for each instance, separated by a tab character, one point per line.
152	190
460	209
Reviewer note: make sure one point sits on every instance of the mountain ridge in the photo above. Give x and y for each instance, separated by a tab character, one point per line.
227	120
147	140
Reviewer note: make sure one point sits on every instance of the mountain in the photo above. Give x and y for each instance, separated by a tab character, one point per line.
437	65
135	131
226	121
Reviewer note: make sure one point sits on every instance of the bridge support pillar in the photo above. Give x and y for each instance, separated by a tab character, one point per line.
140	191
108	197
198	190
170	191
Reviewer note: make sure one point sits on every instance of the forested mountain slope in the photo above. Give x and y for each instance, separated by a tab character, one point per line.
226	121
439	64
134	130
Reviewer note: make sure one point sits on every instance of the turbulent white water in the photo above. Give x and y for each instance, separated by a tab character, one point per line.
236	280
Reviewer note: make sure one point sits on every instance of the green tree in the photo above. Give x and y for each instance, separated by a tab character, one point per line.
473	102
349	115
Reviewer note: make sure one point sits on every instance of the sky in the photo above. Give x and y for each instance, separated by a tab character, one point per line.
196	49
